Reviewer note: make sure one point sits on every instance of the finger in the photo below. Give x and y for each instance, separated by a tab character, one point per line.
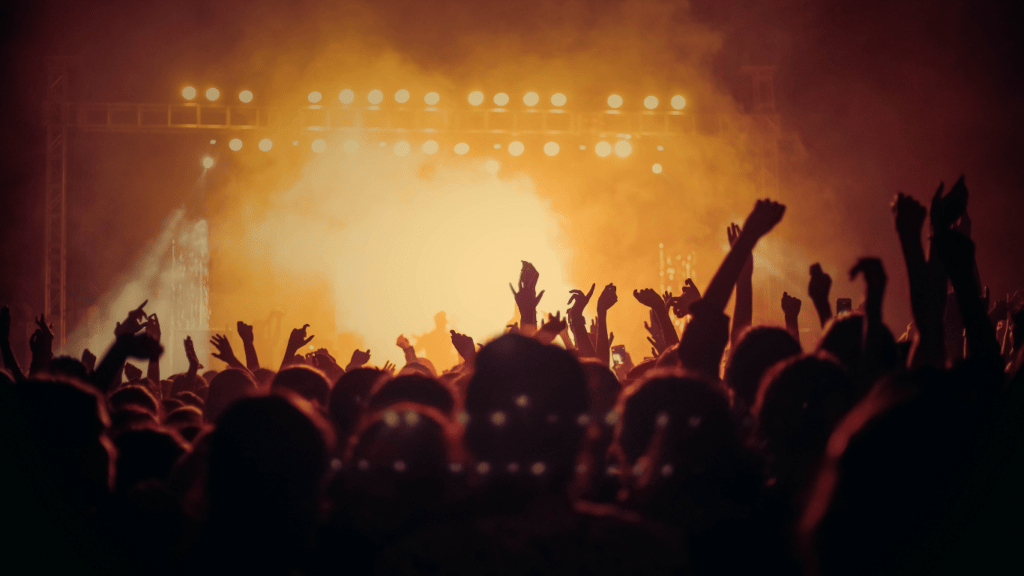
539	296
304	326
143	305
815	269
689	282
591	293
513	289
307	340
651	340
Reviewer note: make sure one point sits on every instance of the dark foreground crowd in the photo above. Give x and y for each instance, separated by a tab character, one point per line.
734	449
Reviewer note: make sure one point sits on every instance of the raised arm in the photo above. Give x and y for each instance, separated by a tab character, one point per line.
606	300
743	311
762	219
127	345
464	346
648	297
410	352
527	297
925	305
153	368
818	289
578	301
957	253
41	344
224	352
296	341
791	311
245	333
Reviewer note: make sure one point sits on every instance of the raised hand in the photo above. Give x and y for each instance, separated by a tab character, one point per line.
464	346
153	327
224	351
766	214
607	299
790	305
41	345
874	276
388	368
359	358
252	361
681	304
133	323
946	210
190	353
554	326
648	297
244	331
88	360
578	300
527	297
402	342
657	335
732	231
818	289
298	339
909	215
132	372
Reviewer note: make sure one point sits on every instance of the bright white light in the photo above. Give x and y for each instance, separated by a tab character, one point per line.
461	148
265	145
656	168
531	99
350	146
516	148
314	97
430	147
492	166
432	98
615	101
558	100
212	94
245	96
207	162
583	147
651	102
476	98
402	96
660	148
678	102
213	141
375	97
501	99
319	145
189	93
235	144
603	149
623	148
346	96
551	148
497	146
402	148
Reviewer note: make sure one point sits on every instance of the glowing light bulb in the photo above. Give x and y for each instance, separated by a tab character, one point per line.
319	145
461	148
603	149
189	93
516	148
207	162
476	98
678	102
212	94
432	98
375	97
346	96
402	96
615	101
651	102
402	148
430	147
558	100
350	146
265	145
551	148
531	99
623	148
245	96
501	99
235	144
656	168
314	97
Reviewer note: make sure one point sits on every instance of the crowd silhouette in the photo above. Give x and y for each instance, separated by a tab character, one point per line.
731	449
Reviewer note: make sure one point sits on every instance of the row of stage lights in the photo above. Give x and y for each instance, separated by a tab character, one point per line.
622	149
476	98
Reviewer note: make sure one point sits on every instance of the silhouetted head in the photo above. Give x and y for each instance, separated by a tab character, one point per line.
69	367
209	375
170	405
227	387
527	407
184	416
843	339
191	399
305	381
137	396
757	350
420	366
146	454
263	378
347	399
411	388
800	402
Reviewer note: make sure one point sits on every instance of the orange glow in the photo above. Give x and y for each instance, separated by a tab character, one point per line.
558	100
265	145
432	98
516	148
351	146
319	145
603	149
551	148
402	148
531	99
212	94
375	97
346	96
476	98
314	97
500	99
461	148
245	96
651	102
430	147
678	102
189	93
614	101
235	144
623	148
207	162
492	166
656	168
402	96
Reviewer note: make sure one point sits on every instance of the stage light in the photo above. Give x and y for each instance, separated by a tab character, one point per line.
660	148
235	144
189	93
603	149
651	102
492	166
266	145
402	148
375	97
501	99
207	162
319	145
531	99
497	146
346	96
430	147
656	168
583	147
213	141
432	98
516	148
623	148
558	100
461	148
212	94
551	148
476	98
678	102
245	96
402	96
314	97
350	146
615	101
